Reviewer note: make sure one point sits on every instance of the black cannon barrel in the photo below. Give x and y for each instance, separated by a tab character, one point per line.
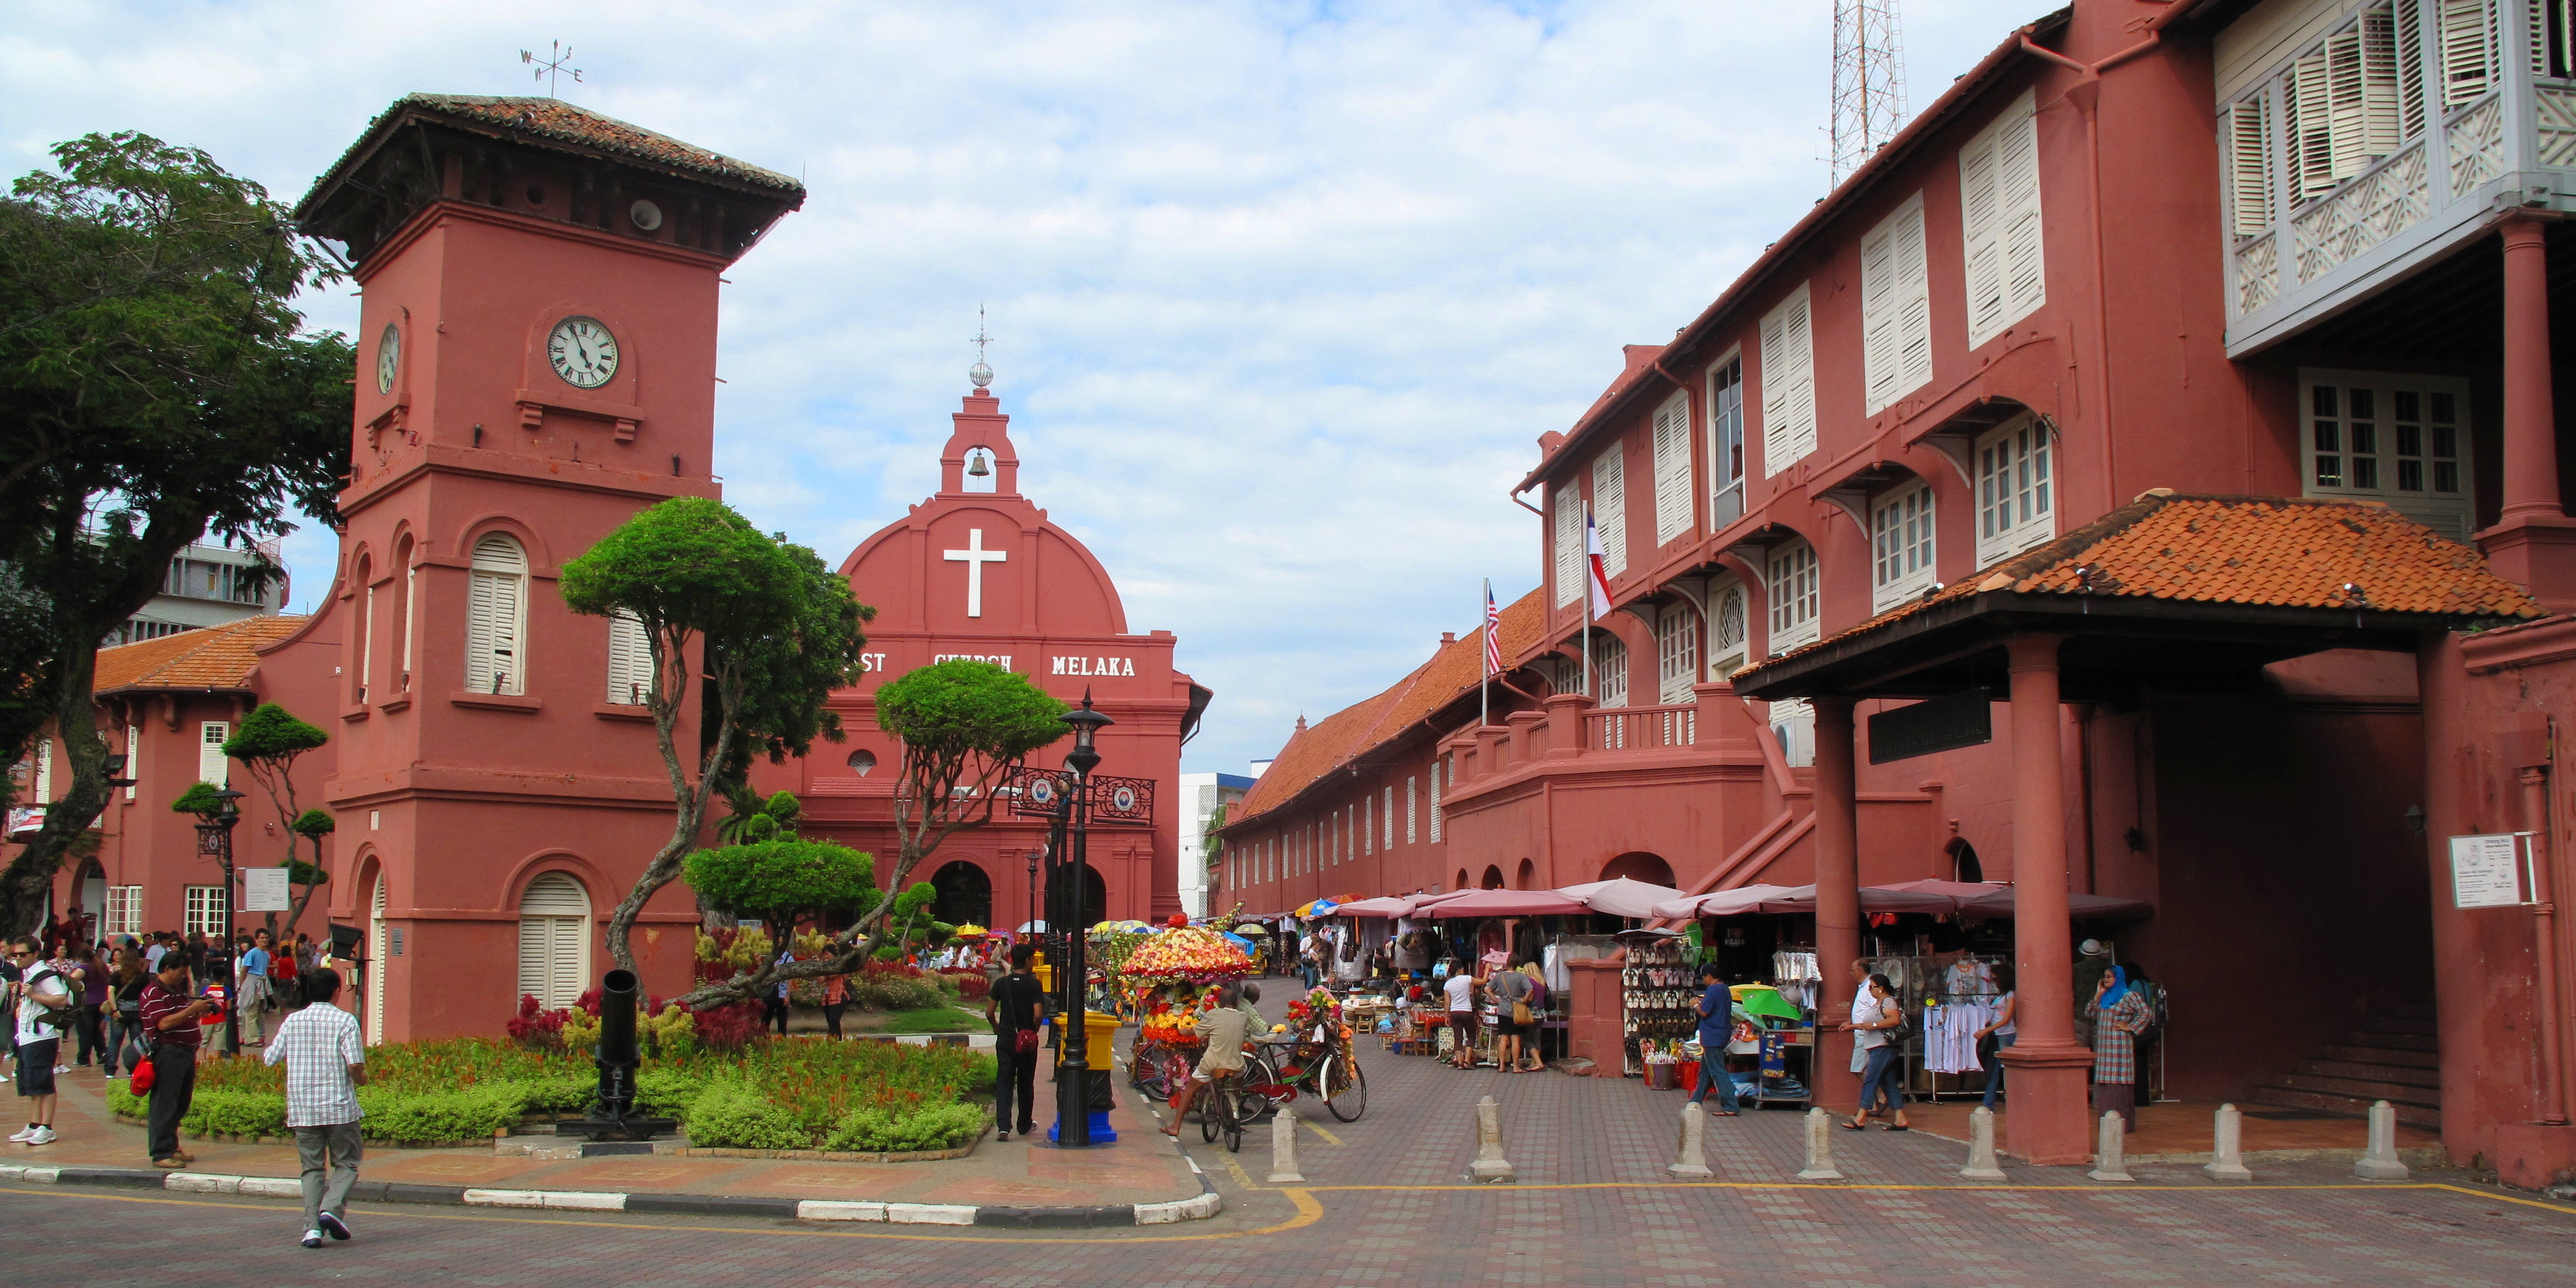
617	1019
612	1115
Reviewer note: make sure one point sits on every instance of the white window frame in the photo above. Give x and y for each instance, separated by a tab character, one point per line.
208	911
1726	463
2379	474
2015	465
124	912
1895	308
1386	819
1609	669
133	760
1610	507
2001	230
1730	628
1901	545
1436	763
496	628
1788	383
1566	502
1791	585
213	766
1676	654
1673	481
1412	808
630	661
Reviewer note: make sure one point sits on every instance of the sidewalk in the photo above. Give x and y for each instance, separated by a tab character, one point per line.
1141	1170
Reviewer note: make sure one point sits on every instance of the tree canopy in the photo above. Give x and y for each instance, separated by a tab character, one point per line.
965	727
784	879
268	742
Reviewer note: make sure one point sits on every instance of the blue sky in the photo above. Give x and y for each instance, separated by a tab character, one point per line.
1283	294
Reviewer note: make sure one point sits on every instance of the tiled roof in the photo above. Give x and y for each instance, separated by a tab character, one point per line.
213	657
562	122
2257	551
1354	731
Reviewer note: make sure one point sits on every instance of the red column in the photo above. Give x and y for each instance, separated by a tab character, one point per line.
1837	899
2049	1074
2533	542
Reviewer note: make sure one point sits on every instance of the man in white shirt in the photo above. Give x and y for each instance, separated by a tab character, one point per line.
326	1062
41	995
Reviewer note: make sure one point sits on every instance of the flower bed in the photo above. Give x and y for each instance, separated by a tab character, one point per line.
781	1093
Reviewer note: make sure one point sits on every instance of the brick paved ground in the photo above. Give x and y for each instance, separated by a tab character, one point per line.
1385	1205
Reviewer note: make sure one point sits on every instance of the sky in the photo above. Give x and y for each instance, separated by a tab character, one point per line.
1282	294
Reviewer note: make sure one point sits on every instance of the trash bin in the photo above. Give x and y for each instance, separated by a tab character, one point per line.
1659	1075
1687	1078
1100	1029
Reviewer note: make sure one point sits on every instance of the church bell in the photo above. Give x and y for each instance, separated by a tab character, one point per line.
975	466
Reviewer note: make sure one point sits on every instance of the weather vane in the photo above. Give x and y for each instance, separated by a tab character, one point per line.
547	70
981	374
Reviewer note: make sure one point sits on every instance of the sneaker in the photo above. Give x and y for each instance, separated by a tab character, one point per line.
21	1135
335	1227
312	1238
173	1161
43	1136
62	1068
1002	1136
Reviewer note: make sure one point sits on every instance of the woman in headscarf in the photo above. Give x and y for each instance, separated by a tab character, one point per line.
2119	1016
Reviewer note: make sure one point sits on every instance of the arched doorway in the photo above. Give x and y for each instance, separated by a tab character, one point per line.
1095	899
1964	864
965	894
1638	866
554	941
1493	877
1462	880
1528	877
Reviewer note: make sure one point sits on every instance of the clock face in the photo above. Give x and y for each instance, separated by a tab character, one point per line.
388	357
583	352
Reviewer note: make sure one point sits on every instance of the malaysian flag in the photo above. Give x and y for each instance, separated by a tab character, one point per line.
1600	576
1493	645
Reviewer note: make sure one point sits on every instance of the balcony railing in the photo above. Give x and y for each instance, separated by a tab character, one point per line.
1641	728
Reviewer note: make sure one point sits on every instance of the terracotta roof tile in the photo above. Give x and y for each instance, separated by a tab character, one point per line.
1355	730
213	657
2258	551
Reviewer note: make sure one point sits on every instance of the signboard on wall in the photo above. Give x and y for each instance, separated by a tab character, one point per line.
2486	871
1937	724
264	890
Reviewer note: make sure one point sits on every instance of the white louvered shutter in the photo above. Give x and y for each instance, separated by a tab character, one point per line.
376	959
554	923
212	765
2410	67
1788	384
1672	469
2347	128
1435	799
1610	508
1386	818
630	661
2468	51
2380	89
1896	307
2245	138
1676	655
133	759
1569	542
2000	222
44	773
496	617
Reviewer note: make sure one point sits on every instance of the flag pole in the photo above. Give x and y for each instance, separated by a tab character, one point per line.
1485	686
1587	599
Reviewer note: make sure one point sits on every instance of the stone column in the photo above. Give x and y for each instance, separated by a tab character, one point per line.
1837	898
2050	1072
1565	712
2533	543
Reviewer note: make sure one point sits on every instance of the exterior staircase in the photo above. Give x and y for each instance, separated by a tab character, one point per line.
2395	1057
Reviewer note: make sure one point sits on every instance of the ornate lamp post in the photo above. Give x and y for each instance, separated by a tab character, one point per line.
1035	855
215	841
1072	1080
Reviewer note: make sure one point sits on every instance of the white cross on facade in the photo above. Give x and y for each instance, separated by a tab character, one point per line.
975	556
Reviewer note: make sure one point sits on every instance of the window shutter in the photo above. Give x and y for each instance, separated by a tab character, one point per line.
1878	315
496	617
1569	543
2468	51
630	661
1610	508
554	918
375	977
1386	818
2245	135
1412	809
44	772
1435	802
212	765
2380	88
133	759
1676	655
1672	469
1983	251
2410	68
2017	183
1896	307
2347	127
1788	384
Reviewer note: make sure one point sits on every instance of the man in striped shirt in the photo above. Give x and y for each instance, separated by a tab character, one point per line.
326	1062
170	1025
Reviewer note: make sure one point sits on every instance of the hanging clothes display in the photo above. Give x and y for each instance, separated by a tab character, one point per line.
1950	1035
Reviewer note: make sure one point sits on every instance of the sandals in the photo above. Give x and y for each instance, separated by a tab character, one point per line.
1896	1127
1855	1125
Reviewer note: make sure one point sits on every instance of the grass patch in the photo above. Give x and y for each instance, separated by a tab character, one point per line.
934	1019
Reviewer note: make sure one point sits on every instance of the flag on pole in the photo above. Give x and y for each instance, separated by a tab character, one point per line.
1493	646
1600	576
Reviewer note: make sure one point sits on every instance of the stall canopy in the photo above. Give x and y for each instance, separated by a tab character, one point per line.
1723	903
1620	896
1998	903
1383	906
1504	903
1872	899
1965	899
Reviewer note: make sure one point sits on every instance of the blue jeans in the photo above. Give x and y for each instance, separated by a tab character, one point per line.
1712	1073
1995	1071
125	1042
1884	1072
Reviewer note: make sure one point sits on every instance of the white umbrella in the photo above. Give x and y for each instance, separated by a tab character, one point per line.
1723	903
1620	896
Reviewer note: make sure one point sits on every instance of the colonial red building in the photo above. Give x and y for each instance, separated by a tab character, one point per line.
2142	390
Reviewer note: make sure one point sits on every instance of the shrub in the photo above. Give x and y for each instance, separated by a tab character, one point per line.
421	1118
730	1115
667	1092
236	1113
971	985
895	993
728	1028
886	1131
534	1026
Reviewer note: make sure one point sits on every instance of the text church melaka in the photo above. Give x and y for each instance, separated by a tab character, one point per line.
537	353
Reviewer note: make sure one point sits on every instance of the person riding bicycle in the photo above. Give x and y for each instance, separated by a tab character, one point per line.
1224	1030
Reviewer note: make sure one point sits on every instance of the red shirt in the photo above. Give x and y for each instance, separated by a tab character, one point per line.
159	1002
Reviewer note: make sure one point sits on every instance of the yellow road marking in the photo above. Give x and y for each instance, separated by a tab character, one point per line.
1241	1177
1329	1138
1308	1212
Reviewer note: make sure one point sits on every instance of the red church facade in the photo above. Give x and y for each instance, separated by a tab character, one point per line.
2109	284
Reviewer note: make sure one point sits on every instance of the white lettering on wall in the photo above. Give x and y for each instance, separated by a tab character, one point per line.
1002	660
872	661
1103	666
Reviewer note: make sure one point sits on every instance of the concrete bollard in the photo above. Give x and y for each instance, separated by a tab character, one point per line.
2227	1152
2380	1162
1982	1163
1820	1148
1692	1164
1283	1149
1490	1167
2111	1162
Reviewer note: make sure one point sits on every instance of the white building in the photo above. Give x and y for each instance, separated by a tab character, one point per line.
1201	796
208	586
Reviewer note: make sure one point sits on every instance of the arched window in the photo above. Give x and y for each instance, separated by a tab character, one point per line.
1528	878
630	661
496	617
364	670
1726	636
1493	877
554	941
965	894
410	606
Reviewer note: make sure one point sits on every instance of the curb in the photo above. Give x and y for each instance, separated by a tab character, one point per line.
1207	1204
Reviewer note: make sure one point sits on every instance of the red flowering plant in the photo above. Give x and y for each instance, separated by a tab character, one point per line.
536	1027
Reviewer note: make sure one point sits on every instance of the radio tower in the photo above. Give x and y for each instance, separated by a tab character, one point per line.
1869	81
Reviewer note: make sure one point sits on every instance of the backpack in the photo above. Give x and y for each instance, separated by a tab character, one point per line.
61	1017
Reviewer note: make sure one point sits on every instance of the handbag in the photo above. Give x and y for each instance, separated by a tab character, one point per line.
1025	1042
1520	1013
141	1079
1901	1030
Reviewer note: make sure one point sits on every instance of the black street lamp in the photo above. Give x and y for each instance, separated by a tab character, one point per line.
1072	1082
1030	927
215	840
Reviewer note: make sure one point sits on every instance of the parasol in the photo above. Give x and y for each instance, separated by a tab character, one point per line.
1998	903
1620	896
1505	903
1385	906
1720	903
1763	999
969	931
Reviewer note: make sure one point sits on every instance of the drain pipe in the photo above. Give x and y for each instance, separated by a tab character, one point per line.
2544	919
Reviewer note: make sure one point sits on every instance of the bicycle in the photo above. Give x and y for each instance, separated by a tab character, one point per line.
1222	1110
1156	1068
1323	1066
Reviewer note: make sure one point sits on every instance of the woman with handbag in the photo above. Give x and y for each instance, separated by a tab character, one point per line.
1879	1026
1512	1018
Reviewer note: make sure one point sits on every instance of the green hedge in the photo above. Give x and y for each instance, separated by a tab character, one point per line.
927	1127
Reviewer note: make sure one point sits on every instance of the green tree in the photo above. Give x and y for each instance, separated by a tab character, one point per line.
779	715
268	743
155	387
784	880
965	727
710	591
755	819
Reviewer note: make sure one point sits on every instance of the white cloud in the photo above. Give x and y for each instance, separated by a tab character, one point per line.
1284	292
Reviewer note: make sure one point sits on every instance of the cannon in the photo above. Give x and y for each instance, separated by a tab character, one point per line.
612	1113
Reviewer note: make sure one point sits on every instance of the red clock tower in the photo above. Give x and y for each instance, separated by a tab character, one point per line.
537	363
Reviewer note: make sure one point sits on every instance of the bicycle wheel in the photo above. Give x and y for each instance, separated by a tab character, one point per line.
1210	1102
1231	1110
1343	1086
1258	1073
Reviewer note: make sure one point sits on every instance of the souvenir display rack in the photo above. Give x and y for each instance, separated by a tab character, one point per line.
1659	995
